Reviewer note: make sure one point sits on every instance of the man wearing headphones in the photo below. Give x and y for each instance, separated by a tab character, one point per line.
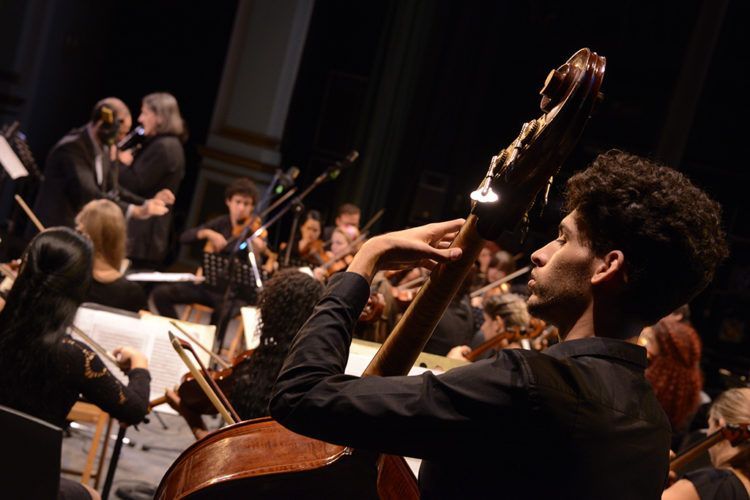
78	170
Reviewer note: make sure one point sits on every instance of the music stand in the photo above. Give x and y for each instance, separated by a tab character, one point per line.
227	275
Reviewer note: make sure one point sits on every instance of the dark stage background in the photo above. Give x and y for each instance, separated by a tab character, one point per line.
428	91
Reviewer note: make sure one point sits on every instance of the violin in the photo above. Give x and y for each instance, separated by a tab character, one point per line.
373	309
314	253
512	334
252	222
193	397
255	457
736	434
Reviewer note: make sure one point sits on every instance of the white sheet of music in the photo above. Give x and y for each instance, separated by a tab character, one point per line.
10	161
148	334
251	324
158	277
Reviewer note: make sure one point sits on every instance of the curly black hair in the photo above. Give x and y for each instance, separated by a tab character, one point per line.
667	228
287	300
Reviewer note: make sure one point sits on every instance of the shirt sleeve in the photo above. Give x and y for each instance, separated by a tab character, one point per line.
218	224
428	416
129	403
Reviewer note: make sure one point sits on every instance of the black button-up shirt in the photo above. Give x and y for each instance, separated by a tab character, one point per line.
577	421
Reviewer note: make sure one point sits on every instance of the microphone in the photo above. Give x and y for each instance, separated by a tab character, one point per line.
286	179
335	170
135	137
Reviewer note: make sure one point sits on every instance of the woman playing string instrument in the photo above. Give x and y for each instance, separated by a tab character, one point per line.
500	313
729	478
42	369
307	247
102	221
345	242
285	303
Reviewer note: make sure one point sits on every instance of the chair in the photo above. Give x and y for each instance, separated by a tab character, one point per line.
194	312
32	448
92	414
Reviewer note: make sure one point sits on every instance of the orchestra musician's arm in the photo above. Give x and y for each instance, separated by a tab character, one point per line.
129	403
395	415
214	230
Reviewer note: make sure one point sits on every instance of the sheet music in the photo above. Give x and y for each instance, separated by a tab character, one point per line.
250	322
149	335
164	277
10	161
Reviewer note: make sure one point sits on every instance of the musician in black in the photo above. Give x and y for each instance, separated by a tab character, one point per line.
219	235
43	370
78	170
158	164
576	421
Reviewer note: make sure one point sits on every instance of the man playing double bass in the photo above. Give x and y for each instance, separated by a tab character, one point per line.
578	420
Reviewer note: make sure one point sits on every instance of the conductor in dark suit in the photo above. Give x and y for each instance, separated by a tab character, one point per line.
78	170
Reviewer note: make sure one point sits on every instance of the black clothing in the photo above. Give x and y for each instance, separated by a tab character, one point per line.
221	224
579	421
160	164
78	371
167	295
456	327
71	182
717	484
72	490
121	294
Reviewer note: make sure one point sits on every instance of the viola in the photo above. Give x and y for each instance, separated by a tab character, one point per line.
512	334
736	434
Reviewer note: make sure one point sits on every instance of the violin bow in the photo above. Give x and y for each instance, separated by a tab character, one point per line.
95	345
501	281
30	213
213	394
192	339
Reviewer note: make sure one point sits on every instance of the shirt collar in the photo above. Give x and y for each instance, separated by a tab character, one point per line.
602	348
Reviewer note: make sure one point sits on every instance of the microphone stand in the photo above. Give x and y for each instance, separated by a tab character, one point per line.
298	208
330	173
245	242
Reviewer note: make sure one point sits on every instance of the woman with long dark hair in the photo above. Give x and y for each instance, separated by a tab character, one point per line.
43	370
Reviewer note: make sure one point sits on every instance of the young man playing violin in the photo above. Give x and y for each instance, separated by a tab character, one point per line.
578	420
220	236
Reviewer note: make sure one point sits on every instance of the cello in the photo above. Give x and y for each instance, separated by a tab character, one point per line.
260	458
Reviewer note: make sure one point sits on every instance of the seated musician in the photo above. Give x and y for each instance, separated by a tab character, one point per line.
347	215
500	312
307	247
578	420
286	302
729	478
458	324
344	245
220	236
102	221
42	369
674	352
